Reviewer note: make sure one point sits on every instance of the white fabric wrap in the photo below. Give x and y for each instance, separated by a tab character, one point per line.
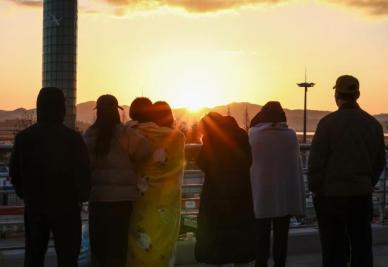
276	173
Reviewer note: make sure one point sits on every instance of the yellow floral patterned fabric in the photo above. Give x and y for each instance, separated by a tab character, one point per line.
155	220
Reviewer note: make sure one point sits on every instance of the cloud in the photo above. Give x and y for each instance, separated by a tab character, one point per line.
195	6
119	7
374	7
30	3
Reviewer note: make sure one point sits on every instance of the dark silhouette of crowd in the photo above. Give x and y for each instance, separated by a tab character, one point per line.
131	176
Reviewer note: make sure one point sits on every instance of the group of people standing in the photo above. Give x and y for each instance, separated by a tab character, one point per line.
137	168
131	175
252	183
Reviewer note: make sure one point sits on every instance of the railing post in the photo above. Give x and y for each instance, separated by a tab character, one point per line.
383	200
5	198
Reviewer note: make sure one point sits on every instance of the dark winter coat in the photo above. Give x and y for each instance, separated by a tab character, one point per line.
225	223
347	154
49	165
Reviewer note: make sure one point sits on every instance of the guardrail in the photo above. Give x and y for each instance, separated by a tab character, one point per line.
191	189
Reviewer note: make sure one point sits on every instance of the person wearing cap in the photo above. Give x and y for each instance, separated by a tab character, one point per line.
49	170
277	181
346	160
114	150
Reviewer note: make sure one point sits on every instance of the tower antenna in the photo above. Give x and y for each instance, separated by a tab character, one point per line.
306	85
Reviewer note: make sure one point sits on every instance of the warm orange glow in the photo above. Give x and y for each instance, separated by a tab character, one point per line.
195	109
253	54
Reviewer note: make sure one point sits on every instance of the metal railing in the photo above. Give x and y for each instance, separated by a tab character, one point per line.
11	207
380	196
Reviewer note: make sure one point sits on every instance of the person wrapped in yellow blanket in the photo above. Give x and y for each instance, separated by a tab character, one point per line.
155	220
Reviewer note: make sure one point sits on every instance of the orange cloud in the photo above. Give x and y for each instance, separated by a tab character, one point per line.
31	3
197	6
373	7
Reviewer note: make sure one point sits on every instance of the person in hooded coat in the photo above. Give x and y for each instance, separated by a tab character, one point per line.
155	222
225	233
277	181
49	169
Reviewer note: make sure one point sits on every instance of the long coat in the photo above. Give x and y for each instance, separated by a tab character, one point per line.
225	223
155	220
276	173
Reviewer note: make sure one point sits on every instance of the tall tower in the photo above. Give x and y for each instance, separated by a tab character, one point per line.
306	85
60	51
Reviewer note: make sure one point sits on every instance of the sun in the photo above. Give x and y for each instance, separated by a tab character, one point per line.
194	106
193	97
195	88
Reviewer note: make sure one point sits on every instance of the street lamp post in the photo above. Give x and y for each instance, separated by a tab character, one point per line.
306	85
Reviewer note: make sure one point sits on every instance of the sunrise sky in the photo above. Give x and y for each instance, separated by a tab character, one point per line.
206	52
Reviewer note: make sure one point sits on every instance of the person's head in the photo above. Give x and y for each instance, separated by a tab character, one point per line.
211	124
230	122
140	109
108	117
347	89
50	105
270	112
162	114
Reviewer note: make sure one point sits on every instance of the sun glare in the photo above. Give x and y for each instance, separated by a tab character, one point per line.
194	95
195	108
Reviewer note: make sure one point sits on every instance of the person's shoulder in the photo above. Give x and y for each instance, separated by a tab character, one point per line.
132	124
128	130
371	119
27	131
89	132
129	133
329	119
330	116
70	133
178	134
368	116
290	131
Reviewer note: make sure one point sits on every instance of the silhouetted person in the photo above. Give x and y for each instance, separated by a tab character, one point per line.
277	181
162	114
346	159
225	233
114	150
50	171
140	109
155	221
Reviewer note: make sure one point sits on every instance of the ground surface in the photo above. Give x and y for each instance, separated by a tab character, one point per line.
15	259
304	250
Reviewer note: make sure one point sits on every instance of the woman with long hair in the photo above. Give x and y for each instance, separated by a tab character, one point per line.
225	233
277	181
156	214
114	150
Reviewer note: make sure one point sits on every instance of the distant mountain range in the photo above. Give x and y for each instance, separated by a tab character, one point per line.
86	114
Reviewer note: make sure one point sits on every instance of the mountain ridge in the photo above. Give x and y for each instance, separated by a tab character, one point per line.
86	114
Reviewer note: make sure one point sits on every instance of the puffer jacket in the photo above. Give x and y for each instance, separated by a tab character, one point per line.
114	176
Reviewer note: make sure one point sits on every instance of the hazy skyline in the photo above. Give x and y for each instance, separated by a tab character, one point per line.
206	53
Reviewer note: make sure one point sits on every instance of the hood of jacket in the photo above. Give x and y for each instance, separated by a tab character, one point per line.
50	105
